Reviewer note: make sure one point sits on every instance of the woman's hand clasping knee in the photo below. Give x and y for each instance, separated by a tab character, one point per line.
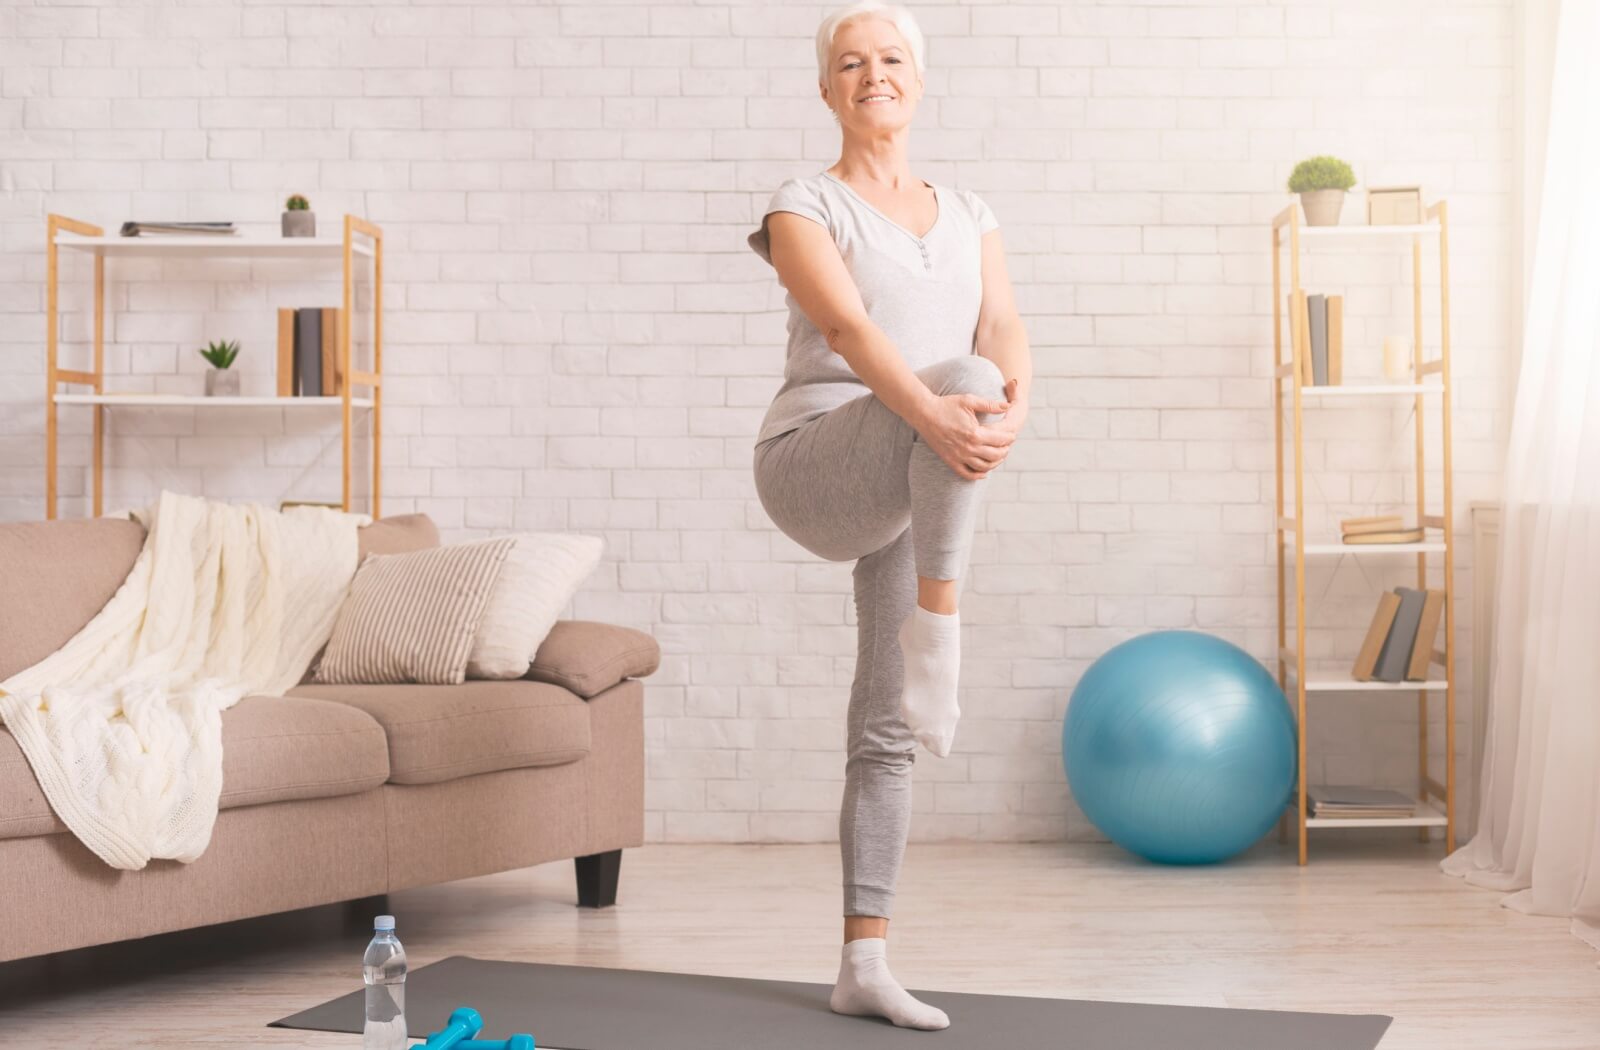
969	447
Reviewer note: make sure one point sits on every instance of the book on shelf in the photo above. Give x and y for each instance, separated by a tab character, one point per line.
329	359
1357	803
1381	523
1335	340
134	229
1427	629
1377	632
1399	642
1317	304
1395	657
1321	339
1387	536
308	357
308	352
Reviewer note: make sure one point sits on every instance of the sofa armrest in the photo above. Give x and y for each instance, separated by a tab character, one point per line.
589	657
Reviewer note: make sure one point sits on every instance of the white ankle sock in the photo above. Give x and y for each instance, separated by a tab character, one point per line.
931	644
867	989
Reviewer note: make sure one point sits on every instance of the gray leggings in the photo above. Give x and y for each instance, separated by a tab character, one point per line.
859	483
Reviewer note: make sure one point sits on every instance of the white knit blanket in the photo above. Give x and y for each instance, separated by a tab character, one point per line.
123	724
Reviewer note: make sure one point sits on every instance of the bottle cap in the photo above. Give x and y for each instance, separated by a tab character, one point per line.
383	922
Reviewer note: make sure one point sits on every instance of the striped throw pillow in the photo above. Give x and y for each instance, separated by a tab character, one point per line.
412	617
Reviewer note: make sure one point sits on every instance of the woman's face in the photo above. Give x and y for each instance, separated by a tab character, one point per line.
871	60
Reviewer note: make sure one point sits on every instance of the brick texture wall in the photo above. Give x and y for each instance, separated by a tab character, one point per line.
578	338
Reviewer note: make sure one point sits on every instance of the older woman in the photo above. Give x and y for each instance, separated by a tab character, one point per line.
906	384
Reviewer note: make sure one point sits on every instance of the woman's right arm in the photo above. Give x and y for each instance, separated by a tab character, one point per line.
810	267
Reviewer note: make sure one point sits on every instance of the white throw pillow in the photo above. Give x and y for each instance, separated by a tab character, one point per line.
538	578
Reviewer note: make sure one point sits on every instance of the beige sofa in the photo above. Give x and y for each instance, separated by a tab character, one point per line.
330	793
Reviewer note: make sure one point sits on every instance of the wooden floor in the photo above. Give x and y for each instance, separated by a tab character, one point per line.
1368	927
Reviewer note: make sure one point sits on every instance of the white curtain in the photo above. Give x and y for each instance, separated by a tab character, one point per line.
1538	828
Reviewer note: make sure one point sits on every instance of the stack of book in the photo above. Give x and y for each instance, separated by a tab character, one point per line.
308	358
1399	642
1387	528
1357	803
1322	362
134	229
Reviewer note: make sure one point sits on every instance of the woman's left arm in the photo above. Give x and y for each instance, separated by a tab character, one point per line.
1000	336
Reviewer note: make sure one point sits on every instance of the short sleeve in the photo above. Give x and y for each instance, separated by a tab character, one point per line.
795	195
985	217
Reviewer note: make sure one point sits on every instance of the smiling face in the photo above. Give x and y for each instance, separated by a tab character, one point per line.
873	83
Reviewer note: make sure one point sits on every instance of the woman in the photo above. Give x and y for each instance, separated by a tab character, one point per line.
906	384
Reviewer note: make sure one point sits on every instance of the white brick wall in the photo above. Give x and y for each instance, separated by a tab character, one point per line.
578	337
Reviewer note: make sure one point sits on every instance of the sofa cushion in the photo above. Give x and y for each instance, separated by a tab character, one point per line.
274	749
589	657
54	577
441	732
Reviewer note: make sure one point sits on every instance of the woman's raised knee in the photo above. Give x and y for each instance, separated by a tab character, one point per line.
971	374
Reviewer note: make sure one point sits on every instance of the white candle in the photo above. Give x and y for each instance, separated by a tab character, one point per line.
1396	357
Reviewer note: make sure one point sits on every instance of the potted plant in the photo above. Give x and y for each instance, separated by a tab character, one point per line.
298	218
221	381
1321	183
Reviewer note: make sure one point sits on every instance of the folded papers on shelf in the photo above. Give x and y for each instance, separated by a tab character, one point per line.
1357	803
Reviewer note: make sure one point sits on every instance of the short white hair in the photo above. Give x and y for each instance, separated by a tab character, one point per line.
901	18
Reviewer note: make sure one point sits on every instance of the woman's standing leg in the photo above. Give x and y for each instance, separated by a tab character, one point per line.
876	814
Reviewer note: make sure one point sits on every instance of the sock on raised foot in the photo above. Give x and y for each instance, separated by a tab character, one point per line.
931	645
866	988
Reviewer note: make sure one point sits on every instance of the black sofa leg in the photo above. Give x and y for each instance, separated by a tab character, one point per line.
597	879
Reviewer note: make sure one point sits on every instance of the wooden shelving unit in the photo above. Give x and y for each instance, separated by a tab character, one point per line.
1436	801
361	239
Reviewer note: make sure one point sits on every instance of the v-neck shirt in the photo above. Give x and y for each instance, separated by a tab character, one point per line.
938	205
923	291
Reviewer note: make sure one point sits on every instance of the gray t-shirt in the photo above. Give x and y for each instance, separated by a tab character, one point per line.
924	292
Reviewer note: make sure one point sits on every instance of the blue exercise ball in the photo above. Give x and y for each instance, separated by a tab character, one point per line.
1180	747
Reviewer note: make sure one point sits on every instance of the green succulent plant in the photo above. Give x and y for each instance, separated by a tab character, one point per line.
1321	173
298	203
221	355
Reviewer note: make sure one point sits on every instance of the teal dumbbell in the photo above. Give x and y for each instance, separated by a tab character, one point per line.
465	1023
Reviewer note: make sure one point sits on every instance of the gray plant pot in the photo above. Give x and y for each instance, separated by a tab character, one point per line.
299	224
1322	207
222	382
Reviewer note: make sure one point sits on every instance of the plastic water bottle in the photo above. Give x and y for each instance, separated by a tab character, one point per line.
384	969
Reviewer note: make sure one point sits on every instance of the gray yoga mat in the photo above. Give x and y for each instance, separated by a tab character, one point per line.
591	1008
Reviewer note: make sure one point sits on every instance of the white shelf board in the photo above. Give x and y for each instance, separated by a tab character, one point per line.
1363	230
1437	547
1370	389
1322	680
201	401
214	245
1427	816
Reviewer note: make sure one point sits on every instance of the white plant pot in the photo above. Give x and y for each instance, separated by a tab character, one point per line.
222	382
1322	207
